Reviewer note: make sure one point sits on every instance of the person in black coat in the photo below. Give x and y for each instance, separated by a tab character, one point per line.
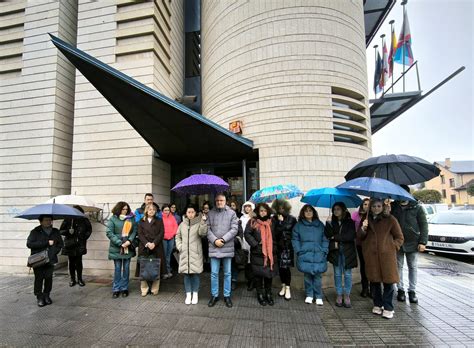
340	230
260	234
43	237
76	232
284	223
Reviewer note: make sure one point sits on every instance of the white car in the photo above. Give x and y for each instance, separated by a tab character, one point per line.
452	232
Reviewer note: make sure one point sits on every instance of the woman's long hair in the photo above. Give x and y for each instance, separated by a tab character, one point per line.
345	212
308	206
361	206
117	209
257	215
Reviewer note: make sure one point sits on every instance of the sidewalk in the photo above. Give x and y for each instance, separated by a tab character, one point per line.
88	316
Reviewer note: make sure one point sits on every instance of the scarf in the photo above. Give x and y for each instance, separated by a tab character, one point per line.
171	226
265	228
126	228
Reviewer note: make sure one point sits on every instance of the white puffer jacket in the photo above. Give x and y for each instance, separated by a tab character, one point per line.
188	243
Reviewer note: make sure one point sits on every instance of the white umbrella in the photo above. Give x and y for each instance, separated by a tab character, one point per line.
85	203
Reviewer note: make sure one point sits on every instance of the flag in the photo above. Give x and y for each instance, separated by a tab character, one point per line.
384	75
378	73
404	54
393	49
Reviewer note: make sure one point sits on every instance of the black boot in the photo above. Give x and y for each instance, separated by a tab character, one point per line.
401	296
40	300
47	299
250	285
364	293
72	282
81	282
261	299
269	297
412	297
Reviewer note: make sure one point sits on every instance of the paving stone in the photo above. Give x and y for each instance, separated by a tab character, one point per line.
245	342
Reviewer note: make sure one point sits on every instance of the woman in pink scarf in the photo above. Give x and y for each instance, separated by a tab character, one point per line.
171	228
260	234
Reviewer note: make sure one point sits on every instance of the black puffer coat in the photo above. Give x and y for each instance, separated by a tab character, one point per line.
284	231
38	240
344	235
76	243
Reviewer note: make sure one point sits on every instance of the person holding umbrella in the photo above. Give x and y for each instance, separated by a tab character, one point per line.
412	220
121	231
357	217
76	232
381	238
44	237
340	230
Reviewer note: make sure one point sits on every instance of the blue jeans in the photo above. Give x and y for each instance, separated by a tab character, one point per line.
412	262
312	285
338	272
191	282
168	246
215	266
121	275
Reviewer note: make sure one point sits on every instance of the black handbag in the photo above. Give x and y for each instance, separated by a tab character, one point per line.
38	259
149	268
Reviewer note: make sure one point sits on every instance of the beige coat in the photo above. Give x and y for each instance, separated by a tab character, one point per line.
188	243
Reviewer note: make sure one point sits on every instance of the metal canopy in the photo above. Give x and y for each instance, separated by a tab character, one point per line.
175	132
375	12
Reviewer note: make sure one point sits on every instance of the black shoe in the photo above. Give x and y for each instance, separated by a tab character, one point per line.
234	285
81	282
40	302
261	299
412	297
125	293
228	302
212	302
269	298
47	299
401	296
364	293
72	282
116	294
250	285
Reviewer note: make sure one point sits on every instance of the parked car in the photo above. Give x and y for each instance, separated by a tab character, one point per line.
432	209
452	232
463	207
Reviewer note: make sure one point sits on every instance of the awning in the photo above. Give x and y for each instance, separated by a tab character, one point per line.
375	12
175	132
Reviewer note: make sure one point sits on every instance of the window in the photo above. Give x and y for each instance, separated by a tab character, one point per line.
442	179
451	182
453	198
443	193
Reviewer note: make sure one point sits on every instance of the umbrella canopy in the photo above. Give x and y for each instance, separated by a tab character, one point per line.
400	169
85	203
377	188
199	184
268	194
58	211
327	196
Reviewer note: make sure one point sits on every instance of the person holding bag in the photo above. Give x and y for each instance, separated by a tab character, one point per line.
76	232
150	251
188	243
44	239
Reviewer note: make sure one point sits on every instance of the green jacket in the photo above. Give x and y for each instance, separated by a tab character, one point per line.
412	220
114	233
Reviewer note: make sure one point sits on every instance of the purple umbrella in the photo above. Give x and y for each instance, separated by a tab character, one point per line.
199	184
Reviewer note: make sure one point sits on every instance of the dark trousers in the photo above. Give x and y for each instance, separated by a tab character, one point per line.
248	272
43	276
384	300
263	284
363	275
75	265
285	276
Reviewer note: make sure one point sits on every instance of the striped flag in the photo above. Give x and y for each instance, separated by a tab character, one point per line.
393	49
384	76
404	54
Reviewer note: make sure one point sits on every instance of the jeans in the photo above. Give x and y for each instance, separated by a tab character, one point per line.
43	275
340	270
285	276
215	266
384	300
75	265
412	259
168	246
191	282
121	275
363	276
312	285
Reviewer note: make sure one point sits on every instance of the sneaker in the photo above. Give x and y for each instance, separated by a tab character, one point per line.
195	298
401	297
387	314
412	297
377	310
282	291
308	300
165	276
319	301
287	293
170	275
339	301
347	301
188	298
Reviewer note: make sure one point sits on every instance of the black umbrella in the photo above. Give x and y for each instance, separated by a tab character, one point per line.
399	169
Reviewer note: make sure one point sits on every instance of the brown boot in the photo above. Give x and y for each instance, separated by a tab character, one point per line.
144	287
155	287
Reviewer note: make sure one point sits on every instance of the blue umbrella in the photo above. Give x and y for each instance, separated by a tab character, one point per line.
58	211
327	196
269	194
377	188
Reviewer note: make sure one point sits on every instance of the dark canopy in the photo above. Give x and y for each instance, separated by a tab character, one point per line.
175	132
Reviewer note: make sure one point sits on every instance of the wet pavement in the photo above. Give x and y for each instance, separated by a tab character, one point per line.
88	316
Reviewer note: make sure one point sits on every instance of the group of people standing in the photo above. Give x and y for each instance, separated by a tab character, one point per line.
270	242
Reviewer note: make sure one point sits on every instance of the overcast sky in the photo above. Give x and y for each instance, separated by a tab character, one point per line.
442	124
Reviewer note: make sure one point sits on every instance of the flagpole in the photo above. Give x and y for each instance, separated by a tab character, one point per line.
383	72
404	2
391	48
375	56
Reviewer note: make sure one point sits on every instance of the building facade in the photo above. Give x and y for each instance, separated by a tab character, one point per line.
294	76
